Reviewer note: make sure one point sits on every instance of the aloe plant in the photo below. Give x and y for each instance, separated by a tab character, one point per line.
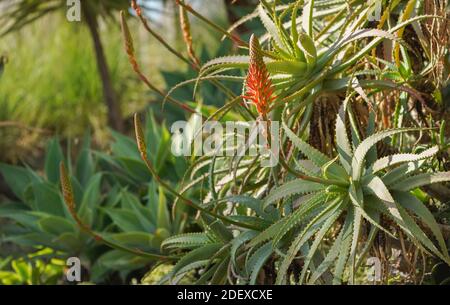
281	217
366	188
357	190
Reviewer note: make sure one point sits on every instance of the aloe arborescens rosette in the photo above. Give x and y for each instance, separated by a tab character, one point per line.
317	212
335	205
373	188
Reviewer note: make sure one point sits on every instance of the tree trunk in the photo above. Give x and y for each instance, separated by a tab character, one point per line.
109	96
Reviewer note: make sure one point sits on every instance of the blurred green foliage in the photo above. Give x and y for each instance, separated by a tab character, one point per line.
114	195
52	82
40	268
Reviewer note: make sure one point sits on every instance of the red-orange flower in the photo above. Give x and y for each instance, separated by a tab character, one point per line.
136	8
258	86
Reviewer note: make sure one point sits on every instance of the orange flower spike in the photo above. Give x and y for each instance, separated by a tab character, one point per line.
258	86
136	8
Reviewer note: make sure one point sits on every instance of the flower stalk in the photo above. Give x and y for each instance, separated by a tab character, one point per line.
67	191
129	48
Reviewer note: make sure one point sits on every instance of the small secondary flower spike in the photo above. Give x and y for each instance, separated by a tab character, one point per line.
66	188
187	36
140	136
128	41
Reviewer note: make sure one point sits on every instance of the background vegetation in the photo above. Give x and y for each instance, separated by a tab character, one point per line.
364	171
